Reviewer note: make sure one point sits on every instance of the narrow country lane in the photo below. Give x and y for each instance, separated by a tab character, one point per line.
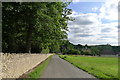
59	68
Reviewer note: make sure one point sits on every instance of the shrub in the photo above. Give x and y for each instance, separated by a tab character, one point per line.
95	51
73	51
86	52
45	50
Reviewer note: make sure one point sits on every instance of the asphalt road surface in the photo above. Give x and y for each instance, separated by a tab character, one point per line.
59	68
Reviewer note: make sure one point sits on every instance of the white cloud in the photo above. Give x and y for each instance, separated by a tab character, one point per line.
109	10
89	29
74	1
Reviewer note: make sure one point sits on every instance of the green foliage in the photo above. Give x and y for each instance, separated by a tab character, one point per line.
78	47
116	48
100	67
73	51
69	48
66	47
86	52
54	48
33	25
104	47
95	51
45	50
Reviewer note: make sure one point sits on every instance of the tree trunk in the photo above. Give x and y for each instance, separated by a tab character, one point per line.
28	39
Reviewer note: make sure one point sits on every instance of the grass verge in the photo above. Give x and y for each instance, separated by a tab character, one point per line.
39	70
103	68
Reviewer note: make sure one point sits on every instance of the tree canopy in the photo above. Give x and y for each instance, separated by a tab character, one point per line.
33	26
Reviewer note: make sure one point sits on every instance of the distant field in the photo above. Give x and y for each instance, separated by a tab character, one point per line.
101	67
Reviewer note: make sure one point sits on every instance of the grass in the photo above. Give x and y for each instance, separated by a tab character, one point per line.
100	67
39	70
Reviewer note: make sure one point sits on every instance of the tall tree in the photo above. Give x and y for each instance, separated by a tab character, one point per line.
40	24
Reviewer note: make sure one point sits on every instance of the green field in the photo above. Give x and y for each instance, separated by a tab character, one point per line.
101	67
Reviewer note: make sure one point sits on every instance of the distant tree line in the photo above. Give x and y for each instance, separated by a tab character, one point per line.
69	48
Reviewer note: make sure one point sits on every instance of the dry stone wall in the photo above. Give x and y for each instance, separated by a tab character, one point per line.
14	65
1	66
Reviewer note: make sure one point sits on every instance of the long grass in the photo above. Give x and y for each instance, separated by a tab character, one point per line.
101	67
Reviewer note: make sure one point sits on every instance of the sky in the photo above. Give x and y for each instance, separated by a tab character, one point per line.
95	23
